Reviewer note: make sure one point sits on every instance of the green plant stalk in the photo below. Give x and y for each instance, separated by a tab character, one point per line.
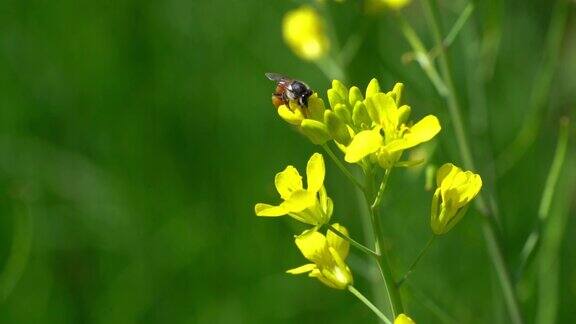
357	245
19	253
415	262
373	201
489	226
421	55
458	25
367	302
549	254
342	167
546	201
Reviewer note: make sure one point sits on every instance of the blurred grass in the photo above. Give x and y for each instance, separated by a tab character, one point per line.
139	134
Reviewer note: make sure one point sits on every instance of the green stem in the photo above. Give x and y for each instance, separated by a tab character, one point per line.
490	233
415	262
369	304
359	246
554	240
497	257
19	253
375	205
551	183
383	262
421	54
457	27
342	167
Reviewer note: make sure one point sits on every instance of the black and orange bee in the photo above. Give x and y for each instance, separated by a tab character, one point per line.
289	89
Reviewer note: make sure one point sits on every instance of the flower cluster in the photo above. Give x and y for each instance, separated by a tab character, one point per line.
370	128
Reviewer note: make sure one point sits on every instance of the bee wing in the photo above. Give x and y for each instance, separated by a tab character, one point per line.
277	77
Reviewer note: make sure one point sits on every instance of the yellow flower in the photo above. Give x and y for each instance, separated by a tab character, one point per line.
309	120
403	319
376	6
311	205
303	31
390	134
327	254
456	189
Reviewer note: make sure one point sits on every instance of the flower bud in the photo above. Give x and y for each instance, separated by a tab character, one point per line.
403	319
316	131
337	128
455	190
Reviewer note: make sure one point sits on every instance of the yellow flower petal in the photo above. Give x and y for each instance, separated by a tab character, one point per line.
299	200
325	202
288	181
382	109
312	245
422	132
363	144
269	210
302	269
315	171
339	244
291	117
444	171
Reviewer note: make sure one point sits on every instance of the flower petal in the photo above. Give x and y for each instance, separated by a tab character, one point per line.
269	210
444	171
422	132
312	245
315	171
299	200
363	144
291	117
382	109
288	181
339	244
302	269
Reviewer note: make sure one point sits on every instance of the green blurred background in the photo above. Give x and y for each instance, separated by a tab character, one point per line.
136	136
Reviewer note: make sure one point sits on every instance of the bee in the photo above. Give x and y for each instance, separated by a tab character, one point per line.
289	89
